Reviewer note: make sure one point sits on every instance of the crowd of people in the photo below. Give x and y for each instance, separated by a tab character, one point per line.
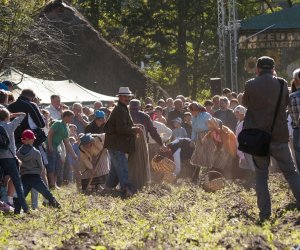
46	144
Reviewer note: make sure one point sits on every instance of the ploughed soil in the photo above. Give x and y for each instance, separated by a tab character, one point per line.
162	216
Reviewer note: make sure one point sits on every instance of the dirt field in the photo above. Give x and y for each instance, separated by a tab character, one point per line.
159	217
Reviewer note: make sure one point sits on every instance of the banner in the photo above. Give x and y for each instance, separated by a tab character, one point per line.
268	40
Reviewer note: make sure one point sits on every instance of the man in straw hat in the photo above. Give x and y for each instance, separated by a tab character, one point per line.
120	140
260	98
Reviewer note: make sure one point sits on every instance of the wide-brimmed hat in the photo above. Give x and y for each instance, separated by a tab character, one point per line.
86	139
125	91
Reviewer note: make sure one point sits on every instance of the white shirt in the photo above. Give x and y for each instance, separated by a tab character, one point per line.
54	113
164	132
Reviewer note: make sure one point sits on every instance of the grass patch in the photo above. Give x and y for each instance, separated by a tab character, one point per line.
160	217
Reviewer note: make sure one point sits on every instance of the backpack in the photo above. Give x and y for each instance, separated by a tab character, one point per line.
4	139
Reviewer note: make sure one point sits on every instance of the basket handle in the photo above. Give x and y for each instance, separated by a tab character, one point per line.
206	175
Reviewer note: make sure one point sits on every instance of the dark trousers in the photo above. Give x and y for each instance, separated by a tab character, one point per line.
281	152
296	143
10	168
34	181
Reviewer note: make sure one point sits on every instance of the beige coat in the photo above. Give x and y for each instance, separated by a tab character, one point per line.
87	156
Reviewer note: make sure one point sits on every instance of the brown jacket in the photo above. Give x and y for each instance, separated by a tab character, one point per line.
260	98
119	130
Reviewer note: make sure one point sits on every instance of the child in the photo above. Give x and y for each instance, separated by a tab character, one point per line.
8	159
159	115
187	125
74	165
31	169
97	125
178	132
73	131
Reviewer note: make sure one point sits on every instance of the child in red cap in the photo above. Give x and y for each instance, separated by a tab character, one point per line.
32	167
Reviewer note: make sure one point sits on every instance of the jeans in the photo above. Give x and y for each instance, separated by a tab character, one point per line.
55	165
68	172
35	181
34	198
296	143
10	168
3	194
281	152
118	170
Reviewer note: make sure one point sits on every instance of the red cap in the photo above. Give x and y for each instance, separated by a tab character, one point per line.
28	135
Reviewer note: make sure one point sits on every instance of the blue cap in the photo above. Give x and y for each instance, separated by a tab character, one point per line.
3	86
99	114
86	139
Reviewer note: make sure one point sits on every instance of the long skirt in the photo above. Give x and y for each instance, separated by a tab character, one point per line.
225	163
138	164
101	168
203	153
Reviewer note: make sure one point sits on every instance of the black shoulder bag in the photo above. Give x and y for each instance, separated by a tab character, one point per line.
4	145
255	141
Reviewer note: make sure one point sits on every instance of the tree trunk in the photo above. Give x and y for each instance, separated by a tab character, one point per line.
182	79
196	65
290	3
269	5
94	13
195	72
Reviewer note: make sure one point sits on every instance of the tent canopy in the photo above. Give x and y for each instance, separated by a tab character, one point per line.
285	19
68	90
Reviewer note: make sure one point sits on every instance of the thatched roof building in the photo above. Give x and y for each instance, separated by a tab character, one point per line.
93	61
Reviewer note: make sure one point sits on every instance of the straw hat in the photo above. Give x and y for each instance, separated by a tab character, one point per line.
125	91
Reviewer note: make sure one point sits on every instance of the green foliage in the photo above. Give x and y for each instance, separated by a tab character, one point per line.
149	31
16	17
177	39
29	41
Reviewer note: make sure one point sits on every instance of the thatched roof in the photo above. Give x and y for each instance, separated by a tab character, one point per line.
94	62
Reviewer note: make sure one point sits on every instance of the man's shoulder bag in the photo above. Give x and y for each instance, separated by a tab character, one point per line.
256	141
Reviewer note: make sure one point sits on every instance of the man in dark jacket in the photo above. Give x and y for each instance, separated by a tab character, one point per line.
177	112
226	115
120	140
33	119
140	117
260	98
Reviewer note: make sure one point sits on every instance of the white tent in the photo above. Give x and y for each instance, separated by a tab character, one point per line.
68	90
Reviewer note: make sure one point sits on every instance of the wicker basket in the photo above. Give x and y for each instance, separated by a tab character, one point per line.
213	181
163	165
169	177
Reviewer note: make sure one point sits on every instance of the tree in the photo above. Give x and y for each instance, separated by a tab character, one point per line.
28	40
176	39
